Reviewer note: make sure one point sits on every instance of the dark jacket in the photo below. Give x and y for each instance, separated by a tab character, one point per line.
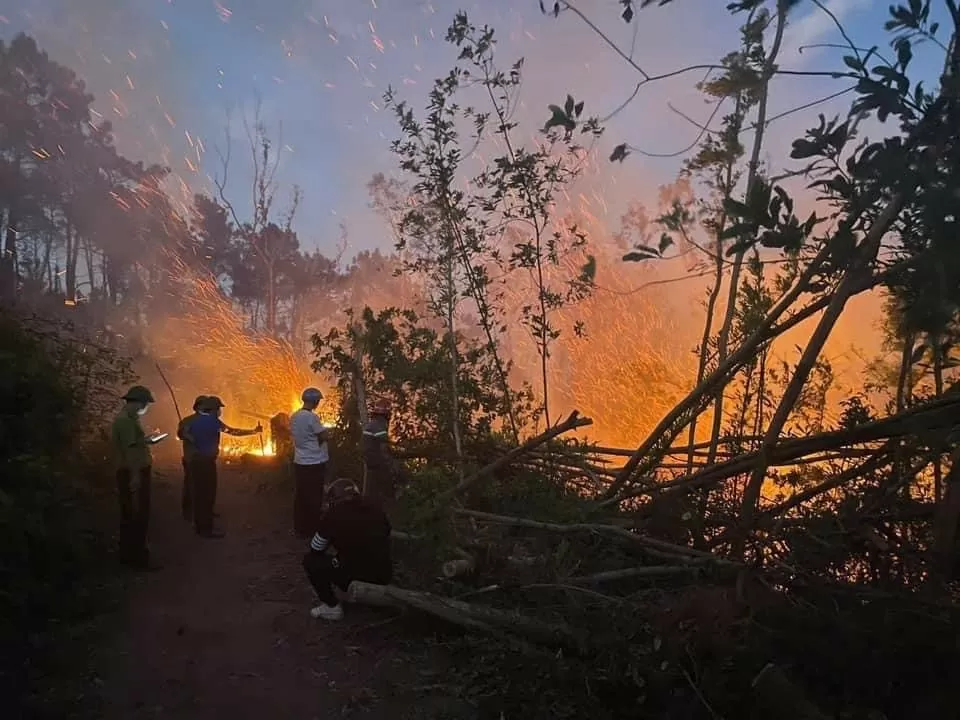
376	445
359	531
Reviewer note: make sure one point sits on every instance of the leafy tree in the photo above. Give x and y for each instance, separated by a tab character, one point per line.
405	362
459	234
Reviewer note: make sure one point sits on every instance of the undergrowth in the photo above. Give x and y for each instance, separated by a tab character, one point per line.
57	512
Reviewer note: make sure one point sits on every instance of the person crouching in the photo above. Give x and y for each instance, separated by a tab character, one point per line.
352	542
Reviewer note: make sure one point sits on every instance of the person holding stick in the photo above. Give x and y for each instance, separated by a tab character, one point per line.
351	542
134	462
310	456
204	434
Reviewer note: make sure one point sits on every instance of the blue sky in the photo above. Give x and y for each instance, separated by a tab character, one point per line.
320	67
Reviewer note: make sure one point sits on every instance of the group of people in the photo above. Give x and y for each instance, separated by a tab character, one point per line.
199	434
348	530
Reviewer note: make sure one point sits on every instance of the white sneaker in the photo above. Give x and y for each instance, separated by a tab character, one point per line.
326	612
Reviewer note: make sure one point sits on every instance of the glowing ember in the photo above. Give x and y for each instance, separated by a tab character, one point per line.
207	350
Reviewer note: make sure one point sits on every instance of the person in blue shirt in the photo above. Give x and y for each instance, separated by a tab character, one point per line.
204	434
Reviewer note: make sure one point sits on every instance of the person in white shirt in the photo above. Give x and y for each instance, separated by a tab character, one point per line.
310	456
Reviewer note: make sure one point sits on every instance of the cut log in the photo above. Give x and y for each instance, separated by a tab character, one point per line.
572	422
463	565
400	535
458	567
476	618
778	698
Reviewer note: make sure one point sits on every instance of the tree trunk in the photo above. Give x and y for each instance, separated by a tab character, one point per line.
451	300
705	338
73	253
360	391
723	338
864	256
937	347
271	299
47	257
9	260
91	265
478	293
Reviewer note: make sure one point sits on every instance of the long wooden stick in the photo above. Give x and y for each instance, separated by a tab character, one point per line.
170	389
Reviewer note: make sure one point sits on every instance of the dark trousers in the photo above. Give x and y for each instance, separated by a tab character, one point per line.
381	484
134	515
186	498
204	479
308	497
323	572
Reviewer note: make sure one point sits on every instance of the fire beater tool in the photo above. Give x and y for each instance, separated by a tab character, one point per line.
170	389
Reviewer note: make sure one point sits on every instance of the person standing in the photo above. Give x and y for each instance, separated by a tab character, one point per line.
204	433
381	466
310	456
131	448
186	499
351	542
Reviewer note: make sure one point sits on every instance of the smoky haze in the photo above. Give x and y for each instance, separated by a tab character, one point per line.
168	74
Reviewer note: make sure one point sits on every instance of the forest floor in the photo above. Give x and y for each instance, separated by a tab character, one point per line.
223	629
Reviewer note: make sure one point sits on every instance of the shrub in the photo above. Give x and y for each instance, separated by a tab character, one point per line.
57	388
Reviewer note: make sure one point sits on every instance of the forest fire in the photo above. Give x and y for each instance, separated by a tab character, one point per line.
207	349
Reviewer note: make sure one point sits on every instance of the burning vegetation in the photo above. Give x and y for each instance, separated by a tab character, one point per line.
716	512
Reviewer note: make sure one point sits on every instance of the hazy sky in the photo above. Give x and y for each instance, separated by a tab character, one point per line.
168	71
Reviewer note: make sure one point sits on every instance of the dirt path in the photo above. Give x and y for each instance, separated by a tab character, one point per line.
223	629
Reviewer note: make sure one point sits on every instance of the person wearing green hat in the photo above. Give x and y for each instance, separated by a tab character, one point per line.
204	433
186	498
131	447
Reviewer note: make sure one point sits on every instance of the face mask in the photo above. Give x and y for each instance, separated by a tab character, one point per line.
143	411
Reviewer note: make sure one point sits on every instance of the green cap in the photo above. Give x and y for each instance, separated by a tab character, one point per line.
138	393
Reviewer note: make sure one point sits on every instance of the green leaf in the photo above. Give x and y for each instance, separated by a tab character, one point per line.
853	63
557	119
569	106
641	253
619	153
735	208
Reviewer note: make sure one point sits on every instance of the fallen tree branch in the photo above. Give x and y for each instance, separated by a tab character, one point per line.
572	422
677	551
626	573
697	398
937	414
478	618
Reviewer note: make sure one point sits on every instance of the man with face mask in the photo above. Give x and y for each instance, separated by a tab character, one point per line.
131	448
204	434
